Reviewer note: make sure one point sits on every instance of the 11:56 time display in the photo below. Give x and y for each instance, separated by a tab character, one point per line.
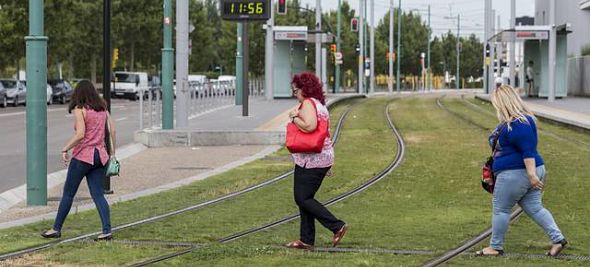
245	9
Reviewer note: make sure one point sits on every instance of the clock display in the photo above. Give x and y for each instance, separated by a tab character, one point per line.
245	9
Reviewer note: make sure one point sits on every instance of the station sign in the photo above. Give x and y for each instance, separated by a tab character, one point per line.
532	35
291	35
245	10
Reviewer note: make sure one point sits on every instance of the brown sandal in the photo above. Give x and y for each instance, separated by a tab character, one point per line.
298	244
482	253
562	246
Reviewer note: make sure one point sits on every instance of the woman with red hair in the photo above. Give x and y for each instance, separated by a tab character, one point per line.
311	168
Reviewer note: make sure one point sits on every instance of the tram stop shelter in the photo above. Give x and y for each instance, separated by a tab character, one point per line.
289	55
535	41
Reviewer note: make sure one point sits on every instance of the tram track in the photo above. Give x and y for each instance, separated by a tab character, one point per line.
465	246
45	246
400	151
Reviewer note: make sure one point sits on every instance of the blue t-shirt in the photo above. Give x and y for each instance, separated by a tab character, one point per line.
515	145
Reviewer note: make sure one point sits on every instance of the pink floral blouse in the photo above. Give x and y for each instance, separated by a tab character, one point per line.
93	138
317	160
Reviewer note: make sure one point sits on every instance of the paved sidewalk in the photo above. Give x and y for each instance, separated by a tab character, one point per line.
152	170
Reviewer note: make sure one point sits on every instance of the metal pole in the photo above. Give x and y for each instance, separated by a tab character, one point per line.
390	58
167	70
491	81
399	43
324	77
181	63
552	51
338	41
318	40
245	62
36	107
361	48
372	41
499	48
458	78
512	43
428	70
239	63
106	74
486	22
268	56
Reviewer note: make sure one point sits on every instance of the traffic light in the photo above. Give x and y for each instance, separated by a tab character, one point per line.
333	48
391	56
487	50
282	7
357	49
354	25
115	57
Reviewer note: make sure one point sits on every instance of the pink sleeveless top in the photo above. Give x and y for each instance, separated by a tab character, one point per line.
95	122
317	160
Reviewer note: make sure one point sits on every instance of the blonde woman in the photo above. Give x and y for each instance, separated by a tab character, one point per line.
519	170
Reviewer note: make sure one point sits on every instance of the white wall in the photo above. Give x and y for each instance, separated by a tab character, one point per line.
568	11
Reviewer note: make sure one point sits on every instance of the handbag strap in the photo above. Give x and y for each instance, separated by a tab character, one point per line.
317	113
495	144
108	128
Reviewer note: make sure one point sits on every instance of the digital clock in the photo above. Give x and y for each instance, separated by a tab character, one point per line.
245	9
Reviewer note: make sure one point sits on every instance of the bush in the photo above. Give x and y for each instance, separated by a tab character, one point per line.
586	50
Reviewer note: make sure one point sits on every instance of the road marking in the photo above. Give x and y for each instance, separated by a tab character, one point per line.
24	112
121	119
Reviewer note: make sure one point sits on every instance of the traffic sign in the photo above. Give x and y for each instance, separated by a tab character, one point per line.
338	55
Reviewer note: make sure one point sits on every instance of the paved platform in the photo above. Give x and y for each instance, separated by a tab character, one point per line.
571	111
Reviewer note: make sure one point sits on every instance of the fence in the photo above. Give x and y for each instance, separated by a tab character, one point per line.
203	97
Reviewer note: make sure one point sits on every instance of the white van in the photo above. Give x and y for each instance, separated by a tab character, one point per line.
128	84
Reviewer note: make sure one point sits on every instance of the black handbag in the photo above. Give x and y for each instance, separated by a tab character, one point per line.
488	178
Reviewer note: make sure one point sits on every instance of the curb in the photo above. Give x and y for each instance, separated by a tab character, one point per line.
18	194
49	216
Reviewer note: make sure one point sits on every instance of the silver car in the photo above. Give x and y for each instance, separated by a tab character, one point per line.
16	92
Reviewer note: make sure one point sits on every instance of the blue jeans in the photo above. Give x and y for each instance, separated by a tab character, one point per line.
94	177
513	186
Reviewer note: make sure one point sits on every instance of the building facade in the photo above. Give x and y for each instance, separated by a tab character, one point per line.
574	12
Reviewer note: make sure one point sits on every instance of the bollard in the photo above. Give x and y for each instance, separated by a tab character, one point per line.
151	109
159	103
141	109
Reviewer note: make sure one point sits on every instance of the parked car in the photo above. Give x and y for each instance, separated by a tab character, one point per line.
49	95
48	92
3	89
16	92
62	90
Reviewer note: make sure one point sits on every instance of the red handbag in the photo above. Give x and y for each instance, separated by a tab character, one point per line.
298	141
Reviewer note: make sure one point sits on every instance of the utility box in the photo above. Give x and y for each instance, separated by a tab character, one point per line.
289	54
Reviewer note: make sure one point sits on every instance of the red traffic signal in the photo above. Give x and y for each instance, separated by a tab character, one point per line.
354	25
333	48
282	7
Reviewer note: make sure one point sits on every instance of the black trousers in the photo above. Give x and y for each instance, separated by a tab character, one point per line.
307	182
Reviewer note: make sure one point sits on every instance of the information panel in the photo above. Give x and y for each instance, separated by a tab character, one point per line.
245	10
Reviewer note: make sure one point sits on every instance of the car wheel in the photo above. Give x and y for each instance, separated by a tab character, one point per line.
62	99
4	102
50	100
15	101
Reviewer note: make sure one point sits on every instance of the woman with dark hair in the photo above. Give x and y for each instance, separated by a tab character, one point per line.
311	168
89	156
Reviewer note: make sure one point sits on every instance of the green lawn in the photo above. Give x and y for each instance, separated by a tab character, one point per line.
433	201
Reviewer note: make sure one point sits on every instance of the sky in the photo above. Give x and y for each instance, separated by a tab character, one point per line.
472	12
